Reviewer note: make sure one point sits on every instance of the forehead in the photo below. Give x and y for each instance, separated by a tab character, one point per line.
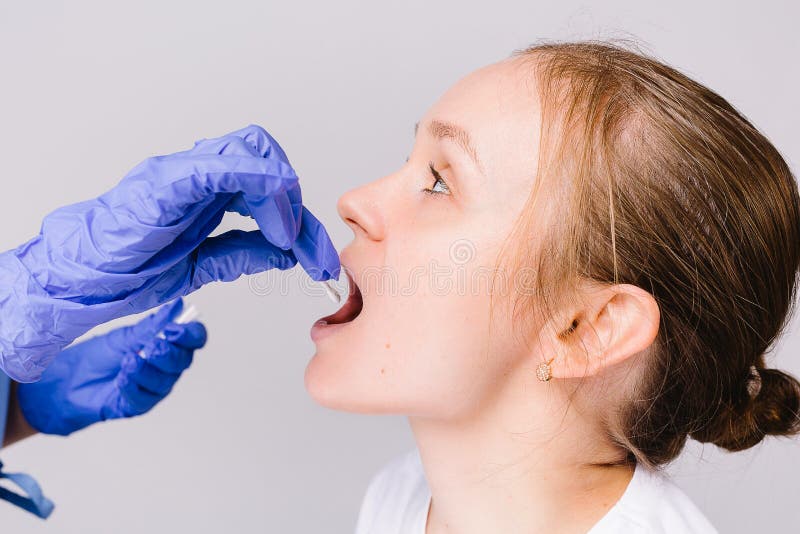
498	105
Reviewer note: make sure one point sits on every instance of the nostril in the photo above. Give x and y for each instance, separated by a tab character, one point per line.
360	212
354	224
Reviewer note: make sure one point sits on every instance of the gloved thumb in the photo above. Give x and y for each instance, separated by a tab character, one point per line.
226	257
314	249
136	337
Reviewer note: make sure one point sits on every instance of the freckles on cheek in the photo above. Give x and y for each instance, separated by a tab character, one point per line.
386	346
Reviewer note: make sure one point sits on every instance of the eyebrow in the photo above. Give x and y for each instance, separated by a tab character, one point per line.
454	132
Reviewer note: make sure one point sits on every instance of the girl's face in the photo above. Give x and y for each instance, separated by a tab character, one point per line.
427	242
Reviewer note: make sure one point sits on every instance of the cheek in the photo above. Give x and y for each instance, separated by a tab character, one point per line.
422	345
450	353
417	353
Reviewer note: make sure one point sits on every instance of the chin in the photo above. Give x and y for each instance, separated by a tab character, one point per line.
320	387
335	386
327	387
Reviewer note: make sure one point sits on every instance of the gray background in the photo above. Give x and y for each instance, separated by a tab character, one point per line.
91	88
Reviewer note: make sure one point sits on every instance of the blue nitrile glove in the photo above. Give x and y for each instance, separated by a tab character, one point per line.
146	242
105	377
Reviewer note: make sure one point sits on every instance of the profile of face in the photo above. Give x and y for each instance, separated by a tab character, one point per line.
421	334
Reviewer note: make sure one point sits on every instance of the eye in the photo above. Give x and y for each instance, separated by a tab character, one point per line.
439	186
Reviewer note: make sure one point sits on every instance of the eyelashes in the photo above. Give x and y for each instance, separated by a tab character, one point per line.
439	186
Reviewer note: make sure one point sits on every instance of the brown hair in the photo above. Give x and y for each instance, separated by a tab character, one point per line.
667	187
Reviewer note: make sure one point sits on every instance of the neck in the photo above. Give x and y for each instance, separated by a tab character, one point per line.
518	471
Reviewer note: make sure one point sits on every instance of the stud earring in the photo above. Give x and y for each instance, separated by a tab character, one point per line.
543	371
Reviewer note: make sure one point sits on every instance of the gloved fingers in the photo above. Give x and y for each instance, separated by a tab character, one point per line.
238	205
230	145
179	183
262	142
164	356
135	400
269	189
156	374
165	314
134	337
255	140
171	363
228	256
277	210
252	176
252	139
285	208
172	187
187	336
314	250
277	216
153	380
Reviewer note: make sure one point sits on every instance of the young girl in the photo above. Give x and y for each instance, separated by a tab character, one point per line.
581	264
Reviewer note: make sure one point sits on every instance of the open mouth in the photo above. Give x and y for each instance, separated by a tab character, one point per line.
351	308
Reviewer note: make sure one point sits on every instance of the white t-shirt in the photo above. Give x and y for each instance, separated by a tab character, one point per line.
398	499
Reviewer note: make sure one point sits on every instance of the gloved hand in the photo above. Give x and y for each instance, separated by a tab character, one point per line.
146	242
105	378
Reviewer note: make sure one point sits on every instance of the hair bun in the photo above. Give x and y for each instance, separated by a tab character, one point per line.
776	408
770	405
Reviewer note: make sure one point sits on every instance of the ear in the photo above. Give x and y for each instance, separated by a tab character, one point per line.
615	323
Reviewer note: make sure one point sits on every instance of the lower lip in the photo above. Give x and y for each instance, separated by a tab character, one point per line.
322	330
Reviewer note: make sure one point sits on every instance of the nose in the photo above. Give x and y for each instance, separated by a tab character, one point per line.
360	209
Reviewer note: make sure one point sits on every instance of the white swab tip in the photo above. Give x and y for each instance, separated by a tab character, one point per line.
188	315
330	290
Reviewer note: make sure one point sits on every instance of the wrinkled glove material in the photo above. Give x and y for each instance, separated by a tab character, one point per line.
106	377
146	242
